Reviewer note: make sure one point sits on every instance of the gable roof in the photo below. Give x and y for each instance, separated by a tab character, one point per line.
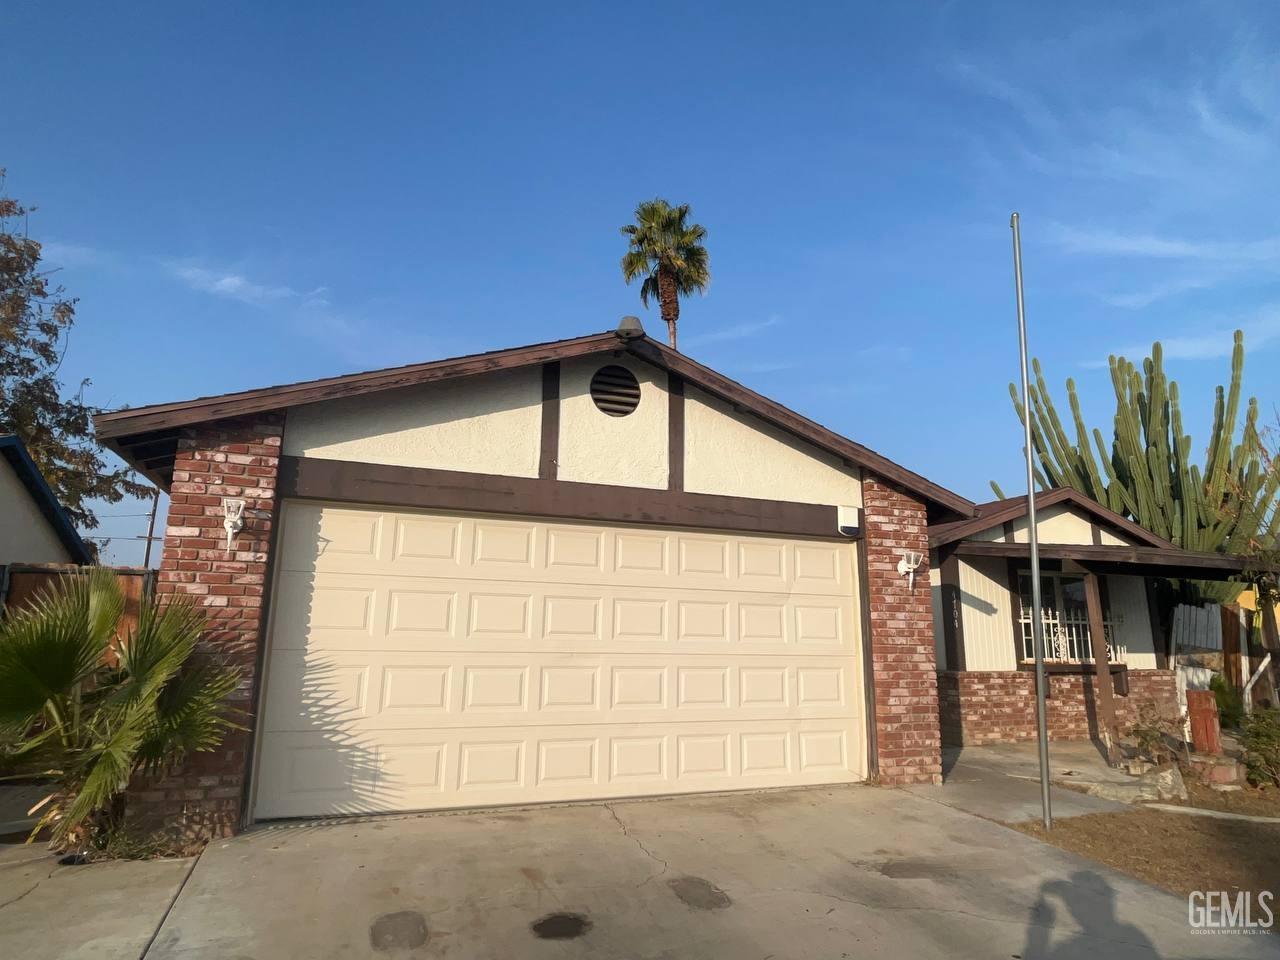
146	437
29	475
997	512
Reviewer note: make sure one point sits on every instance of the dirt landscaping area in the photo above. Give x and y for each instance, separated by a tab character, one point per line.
1176	851
1249	801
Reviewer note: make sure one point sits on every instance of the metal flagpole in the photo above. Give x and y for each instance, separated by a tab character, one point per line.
1037	624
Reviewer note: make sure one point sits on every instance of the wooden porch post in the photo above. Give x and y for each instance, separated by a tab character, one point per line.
1102	668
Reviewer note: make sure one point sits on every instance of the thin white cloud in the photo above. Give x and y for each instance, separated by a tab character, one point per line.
1150	246
1034	112
1162	176
1260	330
1140	299
311	312
741	331
54	253
233	286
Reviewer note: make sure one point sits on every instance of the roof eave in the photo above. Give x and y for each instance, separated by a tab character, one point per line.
159	424
1015	507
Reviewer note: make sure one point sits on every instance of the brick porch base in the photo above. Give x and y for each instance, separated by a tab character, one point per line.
1000	706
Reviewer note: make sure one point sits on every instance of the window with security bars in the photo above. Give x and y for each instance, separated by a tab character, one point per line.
1065	615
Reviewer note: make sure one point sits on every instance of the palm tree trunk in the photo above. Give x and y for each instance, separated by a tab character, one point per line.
670	303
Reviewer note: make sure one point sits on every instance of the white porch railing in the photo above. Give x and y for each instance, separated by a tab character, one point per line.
1070	641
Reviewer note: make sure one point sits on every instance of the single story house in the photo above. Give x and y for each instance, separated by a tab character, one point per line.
34	527
583	569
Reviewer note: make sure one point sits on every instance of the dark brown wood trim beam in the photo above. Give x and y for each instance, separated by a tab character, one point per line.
1098	639
1086	669
166	415
675	432
254	753
1016	507
549	453
1015	609
1117	556
953	613
421	487
868	673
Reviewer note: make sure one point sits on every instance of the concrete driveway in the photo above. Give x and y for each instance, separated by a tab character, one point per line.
823	873
98	911
1001	781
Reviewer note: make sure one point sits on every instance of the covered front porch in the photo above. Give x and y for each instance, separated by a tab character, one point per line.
1107	633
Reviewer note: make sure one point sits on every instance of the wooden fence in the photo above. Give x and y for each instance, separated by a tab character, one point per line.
20	583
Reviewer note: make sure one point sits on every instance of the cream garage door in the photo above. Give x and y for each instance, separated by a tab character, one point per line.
428	660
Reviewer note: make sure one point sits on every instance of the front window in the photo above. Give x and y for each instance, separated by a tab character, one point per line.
1066	620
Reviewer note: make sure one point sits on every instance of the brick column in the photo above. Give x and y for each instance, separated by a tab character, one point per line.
903	662
240	458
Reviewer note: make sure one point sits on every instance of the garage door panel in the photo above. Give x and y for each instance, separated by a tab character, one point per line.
422	660
317	538
441	545
353	693
361	611
314	775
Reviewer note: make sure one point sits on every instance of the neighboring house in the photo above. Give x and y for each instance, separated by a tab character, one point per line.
33	526
584	569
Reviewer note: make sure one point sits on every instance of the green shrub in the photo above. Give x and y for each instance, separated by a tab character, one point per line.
86	708
1261	741
1230	702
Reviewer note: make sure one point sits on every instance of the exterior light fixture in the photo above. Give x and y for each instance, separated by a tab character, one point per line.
908	566
232	519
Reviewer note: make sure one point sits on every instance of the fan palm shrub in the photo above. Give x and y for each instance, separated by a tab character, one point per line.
85	705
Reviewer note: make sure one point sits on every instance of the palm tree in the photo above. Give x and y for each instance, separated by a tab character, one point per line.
85	705
669	254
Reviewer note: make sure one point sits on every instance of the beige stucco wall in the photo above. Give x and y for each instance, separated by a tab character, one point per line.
1061	523
628	451
484	424
740	455
25	535
492	423
1057	524
987	615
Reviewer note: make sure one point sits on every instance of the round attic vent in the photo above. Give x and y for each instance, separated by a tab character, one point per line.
615	390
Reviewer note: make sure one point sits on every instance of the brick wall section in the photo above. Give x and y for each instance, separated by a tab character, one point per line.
237	458
904	670
1000	706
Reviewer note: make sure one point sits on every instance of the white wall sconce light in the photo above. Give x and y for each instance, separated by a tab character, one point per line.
232	519
908	566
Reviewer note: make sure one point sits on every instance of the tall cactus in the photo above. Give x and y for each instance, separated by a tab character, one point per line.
1148	474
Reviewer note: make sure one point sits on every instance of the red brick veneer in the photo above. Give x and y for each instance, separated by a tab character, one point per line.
229	458
903	665
1000	706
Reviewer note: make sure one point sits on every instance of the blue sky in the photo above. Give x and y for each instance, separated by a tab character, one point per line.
242	196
